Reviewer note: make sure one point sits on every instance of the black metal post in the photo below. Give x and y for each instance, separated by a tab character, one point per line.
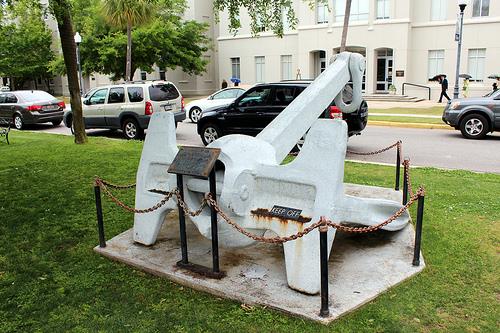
215	234
100	222
323	249
405	183
398	168
182	222
418	231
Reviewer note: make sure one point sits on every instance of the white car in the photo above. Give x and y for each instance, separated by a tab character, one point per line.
219	98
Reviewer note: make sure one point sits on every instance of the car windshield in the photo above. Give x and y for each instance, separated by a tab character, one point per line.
34	95
494	93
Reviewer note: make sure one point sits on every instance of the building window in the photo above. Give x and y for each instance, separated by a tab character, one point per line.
438	10
435	64
477	59
284	19
286	67
162	75
481	8
359	10
143	76
321	12
260	68
383	7
235	68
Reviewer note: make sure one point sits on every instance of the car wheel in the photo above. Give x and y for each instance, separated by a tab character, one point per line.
210	133
57	122
474	126
131	129
195	114
18	122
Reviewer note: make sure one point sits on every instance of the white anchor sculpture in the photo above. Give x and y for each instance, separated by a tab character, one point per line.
251	179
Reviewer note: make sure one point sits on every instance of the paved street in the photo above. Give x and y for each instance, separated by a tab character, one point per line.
438	148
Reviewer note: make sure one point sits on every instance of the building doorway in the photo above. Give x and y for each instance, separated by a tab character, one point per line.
385	66
318	62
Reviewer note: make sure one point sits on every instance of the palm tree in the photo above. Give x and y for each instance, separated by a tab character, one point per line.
128	14
346	25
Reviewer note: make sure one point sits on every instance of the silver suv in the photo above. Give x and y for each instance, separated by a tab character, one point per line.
129	106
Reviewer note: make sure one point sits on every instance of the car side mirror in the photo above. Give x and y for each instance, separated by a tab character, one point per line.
210	97
86	102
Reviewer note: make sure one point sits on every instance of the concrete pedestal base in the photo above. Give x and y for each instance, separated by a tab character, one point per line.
361	266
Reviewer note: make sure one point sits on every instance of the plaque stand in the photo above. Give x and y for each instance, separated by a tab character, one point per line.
197	162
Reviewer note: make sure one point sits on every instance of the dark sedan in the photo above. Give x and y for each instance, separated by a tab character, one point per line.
474	117
258	106
30	107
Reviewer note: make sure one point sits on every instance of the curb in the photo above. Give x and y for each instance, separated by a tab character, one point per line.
409	125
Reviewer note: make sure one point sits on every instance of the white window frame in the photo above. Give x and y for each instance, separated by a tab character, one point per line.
356	13
385	13
435	63
439	10
322	12
286	67
479	5
260	69
236	67
476	62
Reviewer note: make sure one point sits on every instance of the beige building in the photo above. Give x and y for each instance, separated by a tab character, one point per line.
403	41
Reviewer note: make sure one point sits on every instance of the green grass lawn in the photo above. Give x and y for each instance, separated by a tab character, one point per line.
52	281
434	111
396	119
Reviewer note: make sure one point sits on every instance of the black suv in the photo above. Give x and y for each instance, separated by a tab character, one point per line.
259	105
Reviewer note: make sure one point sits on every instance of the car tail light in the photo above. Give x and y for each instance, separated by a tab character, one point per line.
335	112
34	108
183	104
149	109
62	105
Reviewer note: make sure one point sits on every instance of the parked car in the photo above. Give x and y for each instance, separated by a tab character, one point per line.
474	117
258	106
129	106
5	88
219	98
24	107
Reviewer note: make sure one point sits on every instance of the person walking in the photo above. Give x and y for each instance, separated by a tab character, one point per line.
465	88
444	87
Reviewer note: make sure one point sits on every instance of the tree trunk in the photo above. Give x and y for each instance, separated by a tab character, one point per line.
65	26
346	25
128	68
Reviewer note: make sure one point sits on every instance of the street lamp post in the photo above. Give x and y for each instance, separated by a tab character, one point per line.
461	4
78	40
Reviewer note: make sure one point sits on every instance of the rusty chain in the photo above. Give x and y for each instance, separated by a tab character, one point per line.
168	195
406	164
397	144
115	186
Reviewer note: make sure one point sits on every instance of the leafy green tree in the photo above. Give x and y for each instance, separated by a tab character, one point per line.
25	43
128	14
167	41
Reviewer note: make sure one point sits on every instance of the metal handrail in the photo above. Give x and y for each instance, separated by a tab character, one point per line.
415	85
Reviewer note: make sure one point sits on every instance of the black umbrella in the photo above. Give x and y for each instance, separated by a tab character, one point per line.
494	76
436	77
465	76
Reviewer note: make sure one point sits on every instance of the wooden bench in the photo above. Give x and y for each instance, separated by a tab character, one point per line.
4	130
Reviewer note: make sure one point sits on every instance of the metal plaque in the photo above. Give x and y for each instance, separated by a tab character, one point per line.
400	73
285	212
194	161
